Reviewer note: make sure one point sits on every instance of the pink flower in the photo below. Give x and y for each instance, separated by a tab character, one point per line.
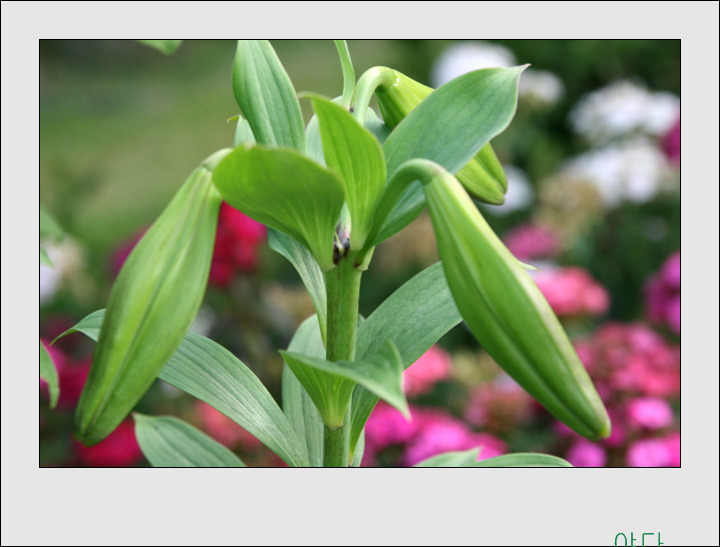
386	426
421	376
662	294
443	433
672	442
527	242
119	449
650	412
572	291
236	242
586	454
71	377
650	453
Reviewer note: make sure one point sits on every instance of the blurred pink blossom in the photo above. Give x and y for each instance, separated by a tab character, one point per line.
662	294
528	242
571	291
650	453
119	449
586	454
434	365
71	377
650	412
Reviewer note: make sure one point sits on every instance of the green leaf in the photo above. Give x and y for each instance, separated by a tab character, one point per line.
355	155
328	391
310	273
452	459
381	373
266	96
359	451
347	71
169	442
146	319
449	127
45	259
414	317
49	374
297	404
522	460
287	191
206	370
168	47
376	126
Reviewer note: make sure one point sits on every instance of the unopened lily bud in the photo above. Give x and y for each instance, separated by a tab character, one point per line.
152	304
483	176
506	311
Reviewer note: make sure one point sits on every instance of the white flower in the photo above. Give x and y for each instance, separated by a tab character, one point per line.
633	170
623	108
468	56
541	86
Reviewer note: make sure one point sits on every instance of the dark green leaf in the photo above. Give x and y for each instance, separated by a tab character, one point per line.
266	96
169	442
49	374
286	191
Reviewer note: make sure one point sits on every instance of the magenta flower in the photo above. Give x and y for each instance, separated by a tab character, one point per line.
586	454
650	413
528	242
421	376
650	453
119	449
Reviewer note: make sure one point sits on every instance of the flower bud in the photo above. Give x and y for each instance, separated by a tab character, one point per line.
506	311
152	304
483	176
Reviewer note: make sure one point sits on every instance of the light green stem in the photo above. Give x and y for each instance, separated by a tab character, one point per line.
343	293
348	72
368	82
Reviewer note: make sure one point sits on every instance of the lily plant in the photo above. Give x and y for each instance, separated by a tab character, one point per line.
329	193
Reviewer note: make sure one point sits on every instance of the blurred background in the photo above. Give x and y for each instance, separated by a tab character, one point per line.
593	163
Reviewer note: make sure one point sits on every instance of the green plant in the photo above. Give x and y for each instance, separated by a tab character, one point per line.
329	194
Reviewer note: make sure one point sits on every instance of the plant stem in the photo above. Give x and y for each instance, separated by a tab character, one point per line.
343	293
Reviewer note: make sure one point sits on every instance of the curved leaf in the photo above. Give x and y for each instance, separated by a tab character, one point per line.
452	459
355	155
266	96
169	442
287	191
522	460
